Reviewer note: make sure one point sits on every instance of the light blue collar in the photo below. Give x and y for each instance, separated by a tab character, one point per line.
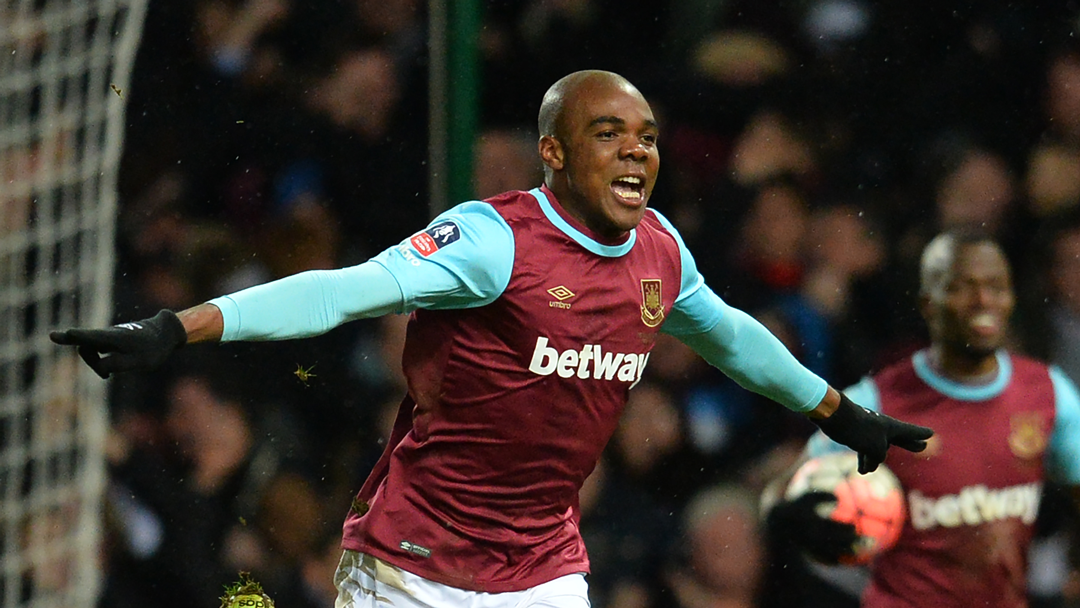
964	392
608	251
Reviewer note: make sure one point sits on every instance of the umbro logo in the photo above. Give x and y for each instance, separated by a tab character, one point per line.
415	549
561	294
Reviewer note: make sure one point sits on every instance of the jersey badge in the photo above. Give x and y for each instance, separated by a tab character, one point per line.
435	238
652	305
560	293
1028	437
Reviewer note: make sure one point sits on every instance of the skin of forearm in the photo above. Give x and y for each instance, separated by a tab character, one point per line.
204	323
828	405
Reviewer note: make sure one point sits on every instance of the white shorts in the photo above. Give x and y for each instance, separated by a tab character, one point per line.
364	581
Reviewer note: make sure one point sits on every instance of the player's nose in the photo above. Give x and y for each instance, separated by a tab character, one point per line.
635	150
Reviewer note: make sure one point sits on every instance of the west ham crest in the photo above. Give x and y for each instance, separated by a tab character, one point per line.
652	306
1028	437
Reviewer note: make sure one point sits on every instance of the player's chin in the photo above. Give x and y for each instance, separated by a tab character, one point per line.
981	349
627	218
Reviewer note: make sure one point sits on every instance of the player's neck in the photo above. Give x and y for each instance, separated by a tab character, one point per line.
564	205
963	367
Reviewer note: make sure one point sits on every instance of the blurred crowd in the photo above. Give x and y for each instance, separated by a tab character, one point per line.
810	149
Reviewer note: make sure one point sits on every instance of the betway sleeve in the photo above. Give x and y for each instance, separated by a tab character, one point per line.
1064	452
462	259
736	343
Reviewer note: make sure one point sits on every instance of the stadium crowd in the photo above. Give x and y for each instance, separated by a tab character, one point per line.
810	151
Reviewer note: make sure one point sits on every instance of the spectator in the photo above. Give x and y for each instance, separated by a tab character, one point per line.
723	559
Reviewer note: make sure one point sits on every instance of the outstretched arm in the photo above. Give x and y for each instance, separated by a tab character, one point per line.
746	351
470	269
304	304
750	354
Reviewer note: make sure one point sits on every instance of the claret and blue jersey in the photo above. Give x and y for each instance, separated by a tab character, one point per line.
526	334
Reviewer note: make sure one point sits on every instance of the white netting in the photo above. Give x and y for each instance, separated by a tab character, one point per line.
64	65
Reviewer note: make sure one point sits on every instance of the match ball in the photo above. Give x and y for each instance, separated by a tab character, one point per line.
874	502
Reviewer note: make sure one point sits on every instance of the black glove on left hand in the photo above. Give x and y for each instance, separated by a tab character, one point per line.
798	522
138	346
870	433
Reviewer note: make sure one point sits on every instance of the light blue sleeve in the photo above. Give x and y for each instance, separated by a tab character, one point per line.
750	354
1064	453
466	260
690	315
864	393
736	343
308	303
463	259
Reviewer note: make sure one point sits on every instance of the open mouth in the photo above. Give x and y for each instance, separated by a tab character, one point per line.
985	324
630	188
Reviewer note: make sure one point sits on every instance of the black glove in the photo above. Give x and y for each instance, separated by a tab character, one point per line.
798	522
870	433
138	346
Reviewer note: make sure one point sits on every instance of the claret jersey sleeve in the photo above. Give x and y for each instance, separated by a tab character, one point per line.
462	259
736	343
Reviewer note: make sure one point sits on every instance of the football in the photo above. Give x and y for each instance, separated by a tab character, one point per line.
874	502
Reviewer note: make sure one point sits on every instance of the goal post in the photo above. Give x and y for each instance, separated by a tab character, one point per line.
64	71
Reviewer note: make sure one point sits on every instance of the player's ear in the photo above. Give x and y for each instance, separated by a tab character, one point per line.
551	152
924	305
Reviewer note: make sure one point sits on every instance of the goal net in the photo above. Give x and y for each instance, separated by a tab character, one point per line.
64	68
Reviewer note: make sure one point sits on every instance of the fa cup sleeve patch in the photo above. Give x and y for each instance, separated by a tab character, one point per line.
435	238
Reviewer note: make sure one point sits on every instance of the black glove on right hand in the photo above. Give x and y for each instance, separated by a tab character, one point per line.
797	521
138	346
870	433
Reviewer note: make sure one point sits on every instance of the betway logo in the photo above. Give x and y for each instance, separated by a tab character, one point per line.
589	362
975	505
